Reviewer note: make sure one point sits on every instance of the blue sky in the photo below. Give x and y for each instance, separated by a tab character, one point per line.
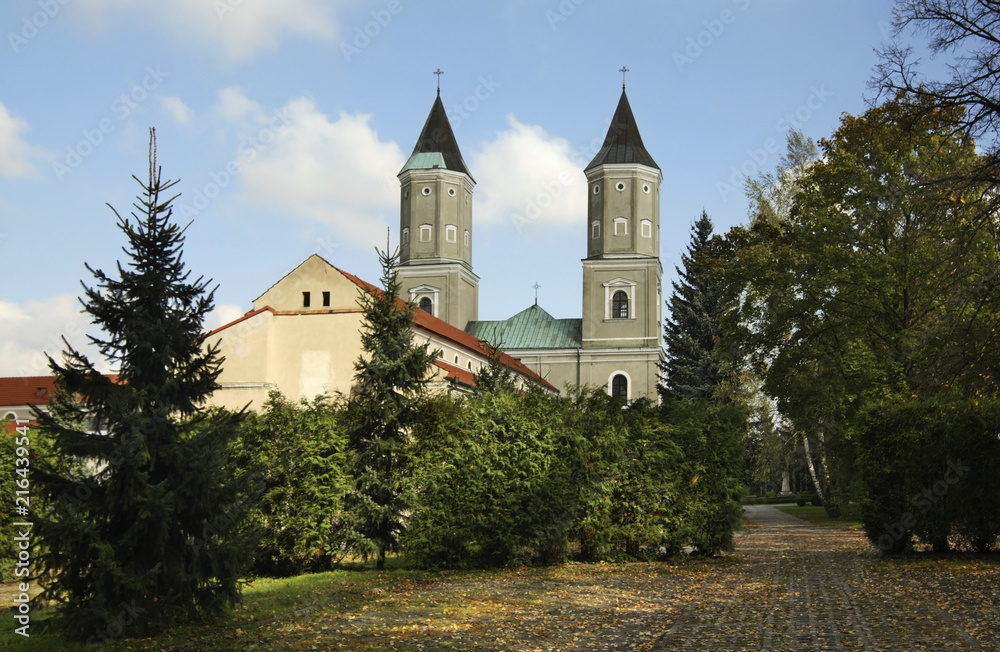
287	121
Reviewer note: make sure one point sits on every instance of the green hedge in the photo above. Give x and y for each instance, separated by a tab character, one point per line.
501	479
294	455
929	472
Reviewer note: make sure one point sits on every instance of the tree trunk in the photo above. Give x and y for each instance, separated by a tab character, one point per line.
821	487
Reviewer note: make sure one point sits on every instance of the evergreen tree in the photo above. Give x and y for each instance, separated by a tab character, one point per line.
391	376
495	377
690	370
141	527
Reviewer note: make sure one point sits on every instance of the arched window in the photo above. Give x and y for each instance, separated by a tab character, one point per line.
619	305
427	305
619	387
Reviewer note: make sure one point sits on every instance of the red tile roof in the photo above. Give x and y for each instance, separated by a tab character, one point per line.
30	390
423	320
23	390
428	322
457	373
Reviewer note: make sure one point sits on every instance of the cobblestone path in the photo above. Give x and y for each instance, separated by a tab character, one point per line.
789	586
799	586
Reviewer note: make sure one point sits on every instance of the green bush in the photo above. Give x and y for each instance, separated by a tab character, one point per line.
502	479
928	471
295	455
493	478
630	487
709	436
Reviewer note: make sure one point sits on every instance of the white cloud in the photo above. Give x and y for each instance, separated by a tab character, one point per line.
15	153
335	172
176	108
239	27
31	329
528	177
234	105
222	315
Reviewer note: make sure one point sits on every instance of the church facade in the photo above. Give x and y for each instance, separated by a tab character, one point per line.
303	334
616	343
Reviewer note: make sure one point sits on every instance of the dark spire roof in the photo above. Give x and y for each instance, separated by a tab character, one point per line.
436	147
623	144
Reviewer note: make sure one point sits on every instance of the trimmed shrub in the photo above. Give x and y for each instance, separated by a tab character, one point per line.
494	482
295	453
501	479
928	468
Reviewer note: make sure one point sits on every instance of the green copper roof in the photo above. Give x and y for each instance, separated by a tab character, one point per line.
424	161
532	328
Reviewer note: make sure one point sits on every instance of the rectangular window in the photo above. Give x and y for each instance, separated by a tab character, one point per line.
467	238
621	226
451	233
425	232
595	230
406	236
326	299
305	299
646	229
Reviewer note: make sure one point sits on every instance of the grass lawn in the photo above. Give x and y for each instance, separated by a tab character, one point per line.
818	516
544	607
266	601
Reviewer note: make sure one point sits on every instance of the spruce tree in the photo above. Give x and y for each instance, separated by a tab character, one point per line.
390	378
690	370
141	527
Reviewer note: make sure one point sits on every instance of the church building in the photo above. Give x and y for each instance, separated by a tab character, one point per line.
616	343
303	334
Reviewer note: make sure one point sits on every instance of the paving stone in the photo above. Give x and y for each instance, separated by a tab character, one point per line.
808	587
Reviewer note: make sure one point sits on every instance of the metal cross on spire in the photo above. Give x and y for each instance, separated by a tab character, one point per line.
536	286
439	72
623	70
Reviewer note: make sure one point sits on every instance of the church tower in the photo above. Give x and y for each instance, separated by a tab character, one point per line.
435	220
622	272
